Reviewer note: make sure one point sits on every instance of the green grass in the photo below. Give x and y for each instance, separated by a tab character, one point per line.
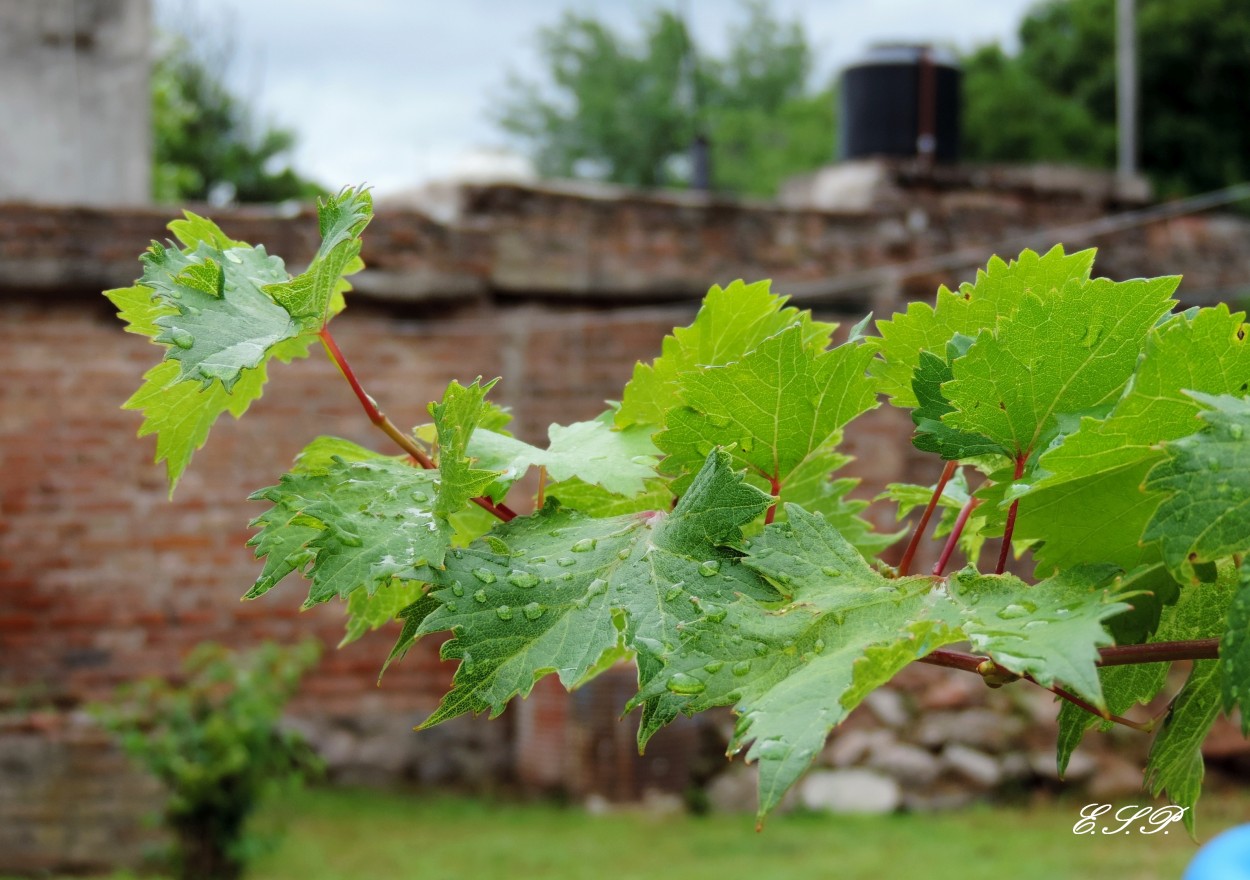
364	835
346	835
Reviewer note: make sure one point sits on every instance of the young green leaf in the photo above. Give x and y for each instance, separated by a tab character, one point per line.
618	460
455	418
1069	352
996	294
731	322
316	294
1205	512
212	307
1175	764
1235	651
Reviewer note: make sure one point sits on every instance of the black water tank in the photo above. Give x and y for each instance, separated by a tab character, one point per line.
900	101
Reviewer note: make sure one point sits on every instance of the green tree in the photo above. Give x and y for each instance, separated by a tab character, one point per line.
1194	63
627	111
204	136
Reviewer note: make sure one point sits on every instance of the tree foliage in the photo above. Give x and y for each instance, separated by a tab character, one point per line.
627	110
1055	99
205	137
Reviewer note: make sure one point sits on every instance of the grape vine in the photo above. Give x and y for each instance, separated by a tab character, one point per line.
699	526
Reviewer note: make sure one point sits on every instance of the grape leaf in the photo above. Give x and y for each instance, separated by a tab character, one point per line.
315	294
594	500
932	434
455	418
1070	352
619	460
1203	514
731	322
773	408
223	322
355	525
996	294
367	612
1198	613
586	588
1199	353
1175	763
1235	651
1050	631
210	307
794	670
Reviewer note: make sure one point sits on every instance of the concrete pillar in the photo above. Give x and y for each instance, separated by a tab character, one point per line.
75	101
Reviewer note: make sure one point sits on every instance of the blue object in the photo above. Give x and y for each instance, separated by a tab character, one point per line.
1226	857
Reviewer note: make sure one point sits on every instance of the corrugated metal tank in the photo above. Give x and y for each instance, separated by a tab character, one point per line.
902	101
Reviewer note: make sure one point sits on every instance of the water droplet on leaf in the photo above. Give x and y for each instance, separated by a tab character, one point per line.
456	589
714	667
742	667
479	596
533	611
485	575
681	683
709	568
522	579
504	612
181	338
585	545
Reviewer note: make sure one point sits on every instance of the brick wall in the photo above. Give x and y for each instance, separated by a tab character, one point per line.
102	578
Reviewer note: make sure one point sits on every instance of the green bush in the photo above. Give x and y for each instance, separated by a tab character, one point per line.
212	738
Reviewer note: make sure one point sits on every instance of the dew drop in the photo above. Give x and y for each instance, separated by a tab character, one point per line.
819	646
681	683
181	338
567	576
709	568
451	606
504	612
533	611
714	667
522	579
760	649
467	664
479	596
565	561
772	749
457	589
716	616
830	571
539	560
1013	612
597	587
741	668
585	545
672	593
1236	431
623	553
485	575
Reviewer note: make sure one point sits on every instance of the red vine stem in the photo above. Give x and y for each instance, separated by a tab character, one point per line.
909	554
775	491
1120	655
379	419
1011	519
956	531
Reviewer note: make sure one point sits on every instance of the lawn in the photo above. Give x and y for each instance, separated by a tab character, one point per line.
347	834
335	834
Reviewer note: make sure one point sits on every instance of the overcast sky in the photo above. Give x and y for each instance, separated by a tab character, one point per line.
396	92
